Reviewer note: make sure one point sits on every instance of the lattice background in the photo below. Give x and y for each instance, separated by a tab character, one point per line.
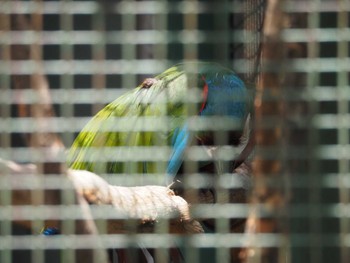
91	52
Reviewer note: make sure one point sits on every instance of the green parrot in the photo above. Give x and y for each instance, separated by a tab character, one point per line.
148	129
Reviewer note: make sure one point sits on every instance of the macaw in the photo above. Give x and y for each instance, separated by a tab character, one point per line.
158	113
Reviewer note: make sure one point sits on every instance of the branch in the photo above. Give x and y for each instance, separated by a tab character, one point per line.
42	110
147	204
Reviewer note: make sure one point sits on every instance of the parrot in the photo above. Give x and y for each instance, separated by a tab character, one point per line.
179	108
157	113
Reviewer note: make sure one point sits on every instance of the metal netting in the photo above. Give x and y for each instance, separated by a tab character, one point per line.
270	187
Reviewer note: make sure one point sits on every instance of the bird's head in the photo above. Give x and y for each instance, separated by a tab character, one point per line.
226	104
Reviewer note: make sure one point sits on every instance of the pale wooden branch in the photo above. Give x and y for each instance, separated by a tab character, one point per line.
40	111
147	204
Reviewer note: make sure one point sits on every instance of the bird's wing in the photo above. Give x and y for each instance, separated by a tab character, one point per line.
117	139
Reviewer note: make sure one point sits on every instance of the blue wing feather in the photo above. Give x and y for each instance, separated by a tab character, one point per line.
179	142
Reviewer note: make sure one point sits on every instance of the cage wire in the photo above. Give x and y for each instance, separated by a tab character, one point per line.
285	201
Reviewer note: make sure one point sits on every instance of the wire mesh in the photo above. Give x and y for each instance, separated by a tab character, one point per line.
63	61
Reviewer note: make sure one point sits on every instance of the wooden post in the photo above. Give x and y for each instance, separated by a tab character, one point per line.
268	195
